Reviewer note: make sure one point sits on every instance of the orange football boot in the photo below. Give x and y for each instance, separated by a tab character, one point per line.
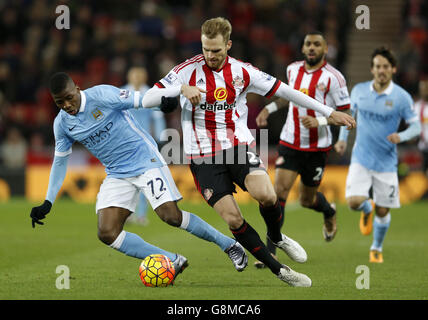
376	256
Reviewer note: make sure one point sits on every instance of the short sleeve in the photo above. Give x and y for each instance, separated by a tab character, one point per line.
339	94
262	83
170	80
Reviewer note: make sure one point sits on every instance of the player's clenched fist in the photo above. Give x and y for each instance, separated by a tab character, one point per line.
340	147
40	212
192	93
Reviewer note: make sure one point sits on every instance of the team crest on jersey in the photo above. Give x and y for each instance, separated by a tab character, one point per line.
238	82
97	114
220	94
208	193
123	94
389	104
321	86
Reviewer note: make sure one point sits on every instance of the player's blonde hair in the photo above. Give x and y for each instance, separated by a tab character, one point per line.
212	27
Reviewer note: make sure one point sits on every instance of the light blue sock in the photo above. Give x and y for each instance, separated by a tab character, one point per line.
134	246
198	227
380	227
366	207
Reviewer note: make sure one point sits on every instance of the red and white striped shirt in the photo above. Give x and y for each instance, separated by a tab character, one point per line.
328	86
219	122
421	109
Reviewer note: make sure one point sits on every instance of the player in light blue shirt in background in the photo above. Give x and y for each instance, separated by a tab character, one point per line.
99	119
153	121
379	106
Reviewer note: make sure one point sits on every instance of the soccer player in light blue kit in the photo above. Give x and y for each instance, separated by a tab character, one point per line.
153	121
379	105
99	119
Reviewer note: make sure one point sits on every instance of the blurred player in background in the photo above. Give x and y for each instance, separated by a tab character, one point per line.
98	118
379	106
153	121
421	109
212	87
306	137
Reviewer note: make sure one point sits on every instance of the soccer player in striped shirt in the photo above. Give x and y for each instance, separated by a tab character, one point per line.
379	106
212	89
306	138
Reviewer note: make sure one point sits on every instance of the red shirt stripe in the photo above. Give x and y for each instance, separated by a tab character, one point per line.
295	109
231	95
192	82
195	59
210	122
313	132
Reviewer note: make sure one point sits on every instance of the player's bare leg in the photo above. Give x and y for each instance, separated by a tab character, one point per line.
261	189
110	223
170	213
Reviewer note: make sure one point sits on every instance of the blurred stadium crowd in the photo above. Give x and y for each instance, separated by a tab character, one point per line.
106	38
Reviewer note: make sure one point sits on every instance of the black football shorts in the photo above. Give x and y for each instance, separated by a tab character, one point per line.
309	164
216	177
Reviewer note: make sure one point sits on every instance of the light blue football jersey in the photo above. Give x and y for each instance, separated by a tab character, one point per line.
106	128
379	115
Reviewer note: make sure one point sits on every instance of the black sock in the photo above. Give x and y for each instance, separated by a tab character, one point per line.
272	216
251	241
269	244
322	205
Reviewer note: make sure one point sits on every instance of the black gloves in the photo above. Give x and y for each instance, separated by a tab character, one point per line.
168	104
40	212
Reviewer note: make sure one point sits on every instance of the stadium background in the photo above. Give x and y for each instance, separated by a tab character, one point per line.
106	38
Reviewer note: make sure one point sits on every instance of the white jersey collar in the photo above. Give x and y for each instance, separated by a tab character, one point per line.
82	101
387	91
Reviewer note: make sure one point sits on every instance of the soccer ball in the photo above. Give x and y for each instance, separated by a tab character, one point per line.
157	270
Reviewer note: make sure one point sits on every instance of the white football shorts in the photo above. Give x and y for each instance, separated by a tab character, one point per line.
385	185
157	185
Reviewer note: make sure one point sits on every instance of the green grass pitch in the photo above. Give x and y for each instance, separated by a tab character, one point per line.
29	257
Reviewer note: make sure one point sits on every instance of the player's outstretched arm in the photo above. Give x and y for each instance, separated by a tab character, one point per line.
56	179
301	99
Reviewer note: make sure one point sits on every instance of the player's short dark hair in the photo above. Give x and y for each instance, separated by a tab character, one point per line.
386	53
315	33
59	82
